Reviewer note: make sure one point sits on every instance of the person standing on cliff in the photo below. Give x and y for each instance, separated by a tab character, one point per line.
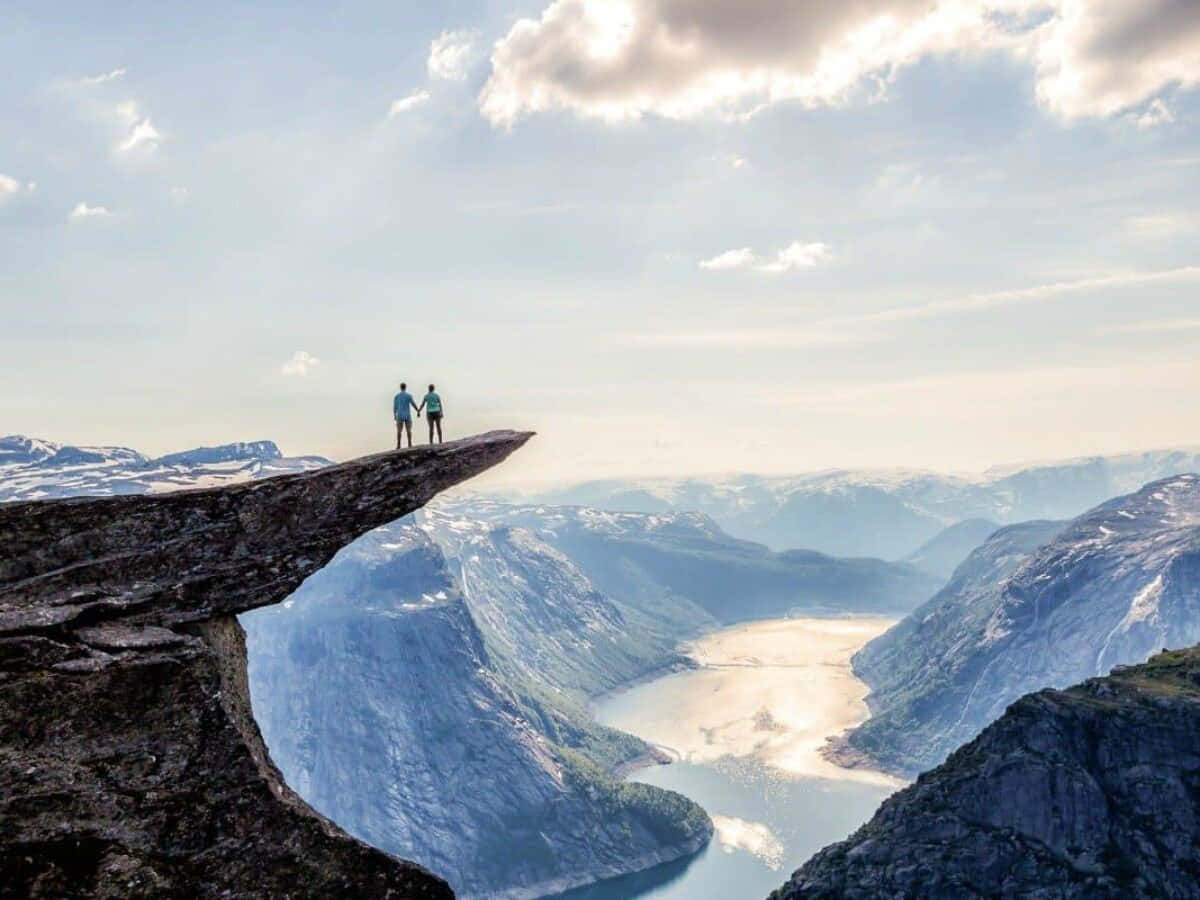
432	404
402	406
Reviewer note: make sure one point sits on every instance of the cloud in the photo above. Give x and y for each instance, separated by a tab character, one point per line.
863	328
11	187
301	363
1102	57
682	59
451	55
797	255
83	211
1161	226
731	259
753	837
141	133
106	77
404	104
1156	113
992	299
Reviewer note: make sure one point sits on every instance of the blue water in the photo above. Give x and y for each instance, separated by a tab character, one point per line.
803	814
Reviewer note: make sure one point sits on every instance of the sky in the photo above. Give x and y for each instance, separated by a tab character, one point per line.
672	236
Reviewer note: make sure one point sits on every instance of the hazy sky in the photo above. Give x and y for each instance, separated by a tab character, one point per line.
671	235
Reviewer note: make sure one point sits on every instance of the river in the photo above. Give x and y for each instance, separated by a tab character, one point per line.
746	728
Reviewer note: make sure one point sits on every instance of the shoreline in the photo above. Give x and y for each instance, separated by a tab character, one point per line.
834	750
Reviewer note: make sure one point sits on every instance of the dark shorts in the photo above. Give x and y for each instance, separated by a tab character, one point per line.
435	417
404	423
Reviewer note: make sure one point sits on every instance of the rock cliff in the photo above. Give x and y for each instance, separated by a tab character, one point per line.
130	763
1092	792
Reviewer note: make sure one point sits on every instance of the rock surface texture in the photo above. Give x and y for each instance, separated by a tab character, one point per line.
1092	792
130	762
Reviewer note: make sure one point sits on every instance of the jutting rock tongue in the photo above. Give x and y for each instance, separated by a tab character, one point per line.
130	763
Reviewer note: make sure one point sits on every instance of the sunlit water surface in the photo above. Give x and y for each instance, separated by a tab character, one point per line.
746	729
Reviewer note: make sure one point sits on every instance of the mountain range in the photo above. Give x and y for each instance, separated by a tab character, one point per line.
881	513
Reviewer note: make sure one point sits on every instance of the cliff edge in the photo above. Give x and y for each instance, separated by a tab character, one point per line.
130	762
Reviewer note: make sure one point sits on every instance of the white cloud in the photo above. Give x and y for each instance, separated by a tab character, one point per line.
863	328
142	133
11	187
301	363
107	76
797	255
1156	113
621	59
451	55
738	162
1102	57
1162	226
83	211
404	104
731	259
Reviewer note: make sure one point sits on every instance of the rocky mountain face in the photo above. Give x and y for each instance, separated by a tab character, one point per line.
130	763
1038	605
1092	792
442	739
886	513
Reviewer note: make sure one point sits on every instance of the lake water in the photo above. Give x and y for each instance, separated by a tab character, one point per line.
746	729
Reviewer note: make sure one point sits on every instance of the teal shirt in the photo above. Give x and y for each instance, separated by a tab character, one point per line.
433	403
401	404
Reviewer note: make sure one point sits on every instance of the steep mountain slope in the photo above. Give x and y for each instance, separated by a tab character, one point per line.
1092	792
682	570
1110	587
943	552
423	745
885	513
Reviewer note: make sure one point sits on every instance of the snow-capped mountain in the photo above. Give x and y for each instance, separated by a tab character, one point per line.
682	569
885	513
1038	605
32	469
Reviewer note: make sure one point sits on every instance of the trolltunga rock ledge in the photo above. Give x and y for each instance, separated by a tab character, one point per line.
130	762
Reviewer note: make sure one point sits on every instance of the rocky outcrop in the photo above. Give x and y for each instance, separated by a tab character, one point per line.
1092	792
130	763
1108	588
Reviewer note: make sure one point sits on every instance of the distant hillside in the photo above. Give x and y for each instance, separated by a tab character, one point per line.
881	513
942	553
32	469
1041	604
685	568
